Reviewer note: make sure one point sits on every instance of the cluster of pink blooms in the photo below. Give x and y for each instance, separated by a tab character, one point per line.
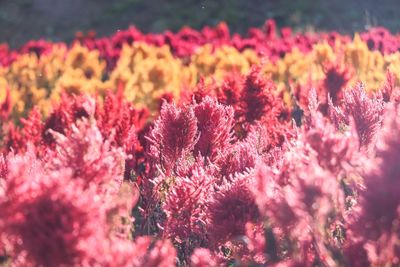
230	176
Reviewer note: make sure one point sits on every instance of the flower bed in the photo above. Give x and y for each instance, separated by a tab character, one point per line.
201	148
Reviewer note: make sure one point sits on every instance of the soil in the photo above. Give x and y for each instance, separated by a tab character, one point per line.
59	20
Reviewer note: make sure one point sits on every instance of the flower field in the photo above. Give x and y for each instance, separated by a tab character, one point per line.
201	148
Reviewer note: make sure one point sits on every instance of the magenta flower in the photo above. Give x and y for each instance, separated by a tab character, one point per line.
3	167
239	158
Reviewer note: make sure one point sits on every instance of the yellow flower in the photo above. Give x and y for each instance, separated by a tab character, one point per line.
225	59
147	72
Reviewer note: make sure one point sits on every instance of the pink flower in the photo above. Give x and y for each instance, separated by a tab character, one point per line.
366	112
143	252
202	257
173	136
31	132
185	207
88	156
389	90
3	167
229	210
237	159
336	115
256	243
163	254
297	198
214	123
47	218
270	197
335	151
375	222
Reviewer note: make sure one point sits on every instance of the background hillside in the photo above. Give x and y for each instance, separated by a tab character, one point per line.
21	20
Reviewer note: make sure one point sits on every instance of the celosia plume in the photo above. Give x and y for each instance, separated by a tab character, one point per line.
173	136
214	123
376	218
48	219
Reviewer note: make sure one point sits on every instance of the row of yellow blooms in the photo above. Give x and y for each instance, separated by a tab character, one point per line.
147	72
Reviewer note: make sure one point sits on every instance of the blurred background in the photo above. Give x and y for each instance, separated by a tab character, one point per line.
59	20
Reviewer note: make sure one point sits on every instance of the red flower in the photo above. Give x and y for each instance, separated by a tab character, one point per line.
257	99
336	78
5	107
17	139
